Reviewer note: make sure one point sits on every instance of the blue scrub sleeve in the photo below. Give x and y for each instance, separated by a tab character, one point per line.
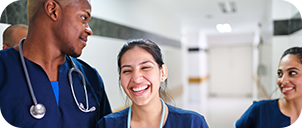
101	124
247	120
204	124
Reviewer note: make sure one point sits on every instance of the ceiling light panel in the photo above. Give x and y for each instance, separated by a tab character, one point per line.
227	7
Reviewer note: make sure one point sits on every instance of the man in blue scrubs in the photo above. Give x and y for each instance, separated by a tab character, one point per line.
57	29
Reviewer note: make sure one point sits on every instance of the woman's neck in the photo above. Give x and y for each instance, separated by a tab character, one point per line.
148	115
291	108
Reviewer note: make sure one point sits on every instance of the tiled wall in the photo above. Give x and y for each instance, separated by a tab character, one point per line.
15	13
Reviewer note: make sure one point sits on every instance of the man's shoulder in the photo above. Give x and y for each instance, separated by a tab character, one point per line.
87	70
80	62
9	55
82	65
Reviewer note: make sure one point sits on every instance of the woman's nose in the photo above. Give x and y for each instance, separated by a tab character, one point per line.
137	77
284	80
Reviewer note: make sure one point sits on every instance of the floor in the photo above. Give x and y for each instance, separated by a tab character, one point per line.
223	112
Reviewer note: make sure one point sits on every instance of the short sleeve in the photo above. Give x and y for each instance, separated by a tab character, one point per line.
101	124
204	123
247	120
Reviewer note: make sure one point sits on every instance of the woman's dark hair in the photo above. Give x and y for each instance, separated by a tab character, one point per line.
294	51
154	50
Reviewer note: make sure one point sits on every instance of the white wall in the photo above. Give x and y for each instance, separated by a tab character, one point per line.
283	10
173	59
139	14
265	61
226	39
230	70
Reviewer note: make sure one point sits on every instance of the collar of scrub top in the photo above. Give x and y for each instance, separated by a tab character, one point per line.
161	119
38	110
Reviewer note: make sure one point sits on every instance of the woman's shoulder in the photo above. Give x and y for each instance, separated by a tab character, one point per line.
262	103
185	118
182	112
114	120
120	114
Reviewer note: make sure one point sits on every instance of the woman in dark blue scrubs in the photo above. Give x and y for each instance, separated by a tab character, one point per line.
142	76
279	112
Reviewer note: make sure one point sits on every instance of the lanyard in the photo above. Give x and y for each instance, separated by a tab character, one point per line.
162	115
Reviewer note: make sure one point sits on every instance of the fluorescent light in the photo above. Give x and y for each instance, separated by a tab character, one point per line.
224	28
227	7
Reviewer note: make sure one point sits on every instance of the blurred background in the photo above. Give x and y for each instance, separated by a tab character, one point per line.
221	54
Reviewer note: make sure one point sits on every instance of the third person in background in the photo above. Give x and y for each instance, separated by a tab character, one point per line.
13	34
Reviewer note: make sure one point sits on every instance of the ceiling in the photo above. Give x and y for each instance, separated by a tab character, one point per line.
205	14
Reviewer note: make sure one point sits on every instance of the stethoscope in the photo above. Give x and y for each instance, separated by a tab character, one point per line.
161	119
38	110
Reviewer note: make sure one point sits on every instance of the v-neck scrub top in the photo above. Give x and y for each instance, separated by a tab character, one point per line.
61	109
177	118
263	114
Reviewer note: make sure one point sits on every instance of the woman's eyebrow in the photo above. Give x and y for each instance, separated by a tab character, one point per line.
292	68
123	66
146	62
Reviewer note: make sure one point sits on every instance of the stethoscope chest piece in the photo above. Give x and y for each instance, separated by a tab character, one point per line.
37	111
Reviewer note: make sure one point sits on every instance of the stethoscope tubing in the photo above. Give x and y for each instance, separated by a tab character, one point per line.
26	74
75	69
38	110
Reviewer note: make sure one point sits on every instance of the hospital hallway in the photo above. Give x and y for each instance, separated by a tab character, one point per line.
223	112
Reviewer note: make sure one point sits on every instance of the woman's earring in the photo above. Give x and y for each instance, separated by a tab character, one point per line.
162	79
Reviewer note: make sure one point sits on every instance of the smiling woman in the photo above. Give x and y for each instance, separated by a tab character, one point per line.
279	112
142	70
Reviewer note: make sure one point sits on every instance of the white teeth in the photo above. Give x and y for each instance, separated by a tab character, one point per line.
140	88
286	89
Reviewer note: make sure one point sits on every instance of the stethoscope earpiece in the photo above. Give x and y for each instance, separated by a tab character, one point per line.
37	111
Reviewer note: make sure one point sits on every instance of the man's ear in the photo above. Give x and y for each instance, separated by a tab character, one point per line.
52	8
164	73
4	46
